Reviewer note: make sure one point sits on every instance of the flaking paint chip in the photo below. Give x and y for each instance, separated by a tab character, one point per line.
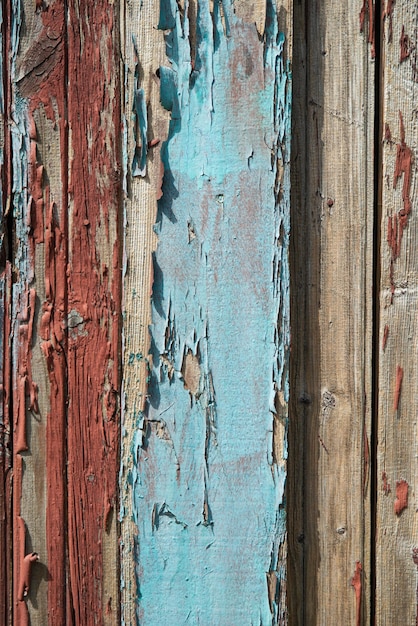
190	370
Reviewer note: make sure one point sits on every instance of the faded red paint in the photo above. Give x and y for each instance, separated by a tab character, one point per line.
94	296
20	609
388	134
356	583
385	337
403	166
368	9
397	222
53	346
23	386
24	583
68	75
401	500
5	453
386	484
398	387
388	12
405	46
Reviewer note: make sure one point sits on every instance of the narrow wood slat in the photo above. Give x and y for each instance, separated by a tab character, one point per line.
93	309
332	228
397	468
143	50
37	127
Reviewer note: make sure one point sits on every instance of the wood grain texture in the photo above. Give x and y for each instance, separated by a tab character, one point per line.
203	465
397	470
93	309
332	229
5	327
143	51
65	138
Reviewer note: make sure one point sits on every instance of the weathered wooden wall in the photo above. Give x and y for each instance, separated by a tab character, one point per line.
176	177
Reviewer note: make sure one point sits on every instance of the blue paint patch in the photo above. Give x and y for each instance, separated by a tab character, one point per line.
208	489
20	140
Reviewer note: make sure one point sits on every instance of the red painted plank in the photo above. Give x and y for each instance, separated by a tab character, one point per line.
93	301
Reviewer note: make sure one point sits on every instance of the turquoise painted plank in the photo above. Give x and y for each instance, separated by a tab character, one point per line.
208	470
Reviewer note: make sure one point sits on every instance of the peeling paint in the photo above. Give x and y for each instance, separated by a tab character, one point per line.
397	223
24	583
208	441
368	11
403	167
5	443
405	46
60	74
356	583
385	484
401	500
387	12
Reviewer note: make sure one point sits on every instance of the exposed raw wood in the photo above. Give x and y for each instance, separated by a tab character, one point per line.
397	469
143	50
332	226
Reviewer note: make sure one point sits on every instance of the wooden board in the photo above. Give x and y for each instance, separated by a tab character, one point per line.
64	120
332	233
397	469
206	391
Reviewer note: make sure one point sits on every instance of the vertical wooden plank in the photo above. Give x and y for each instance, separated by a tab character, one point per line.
5	371
143	49
5	445
39	202
332	226
204	468
397	471
66	304
93	309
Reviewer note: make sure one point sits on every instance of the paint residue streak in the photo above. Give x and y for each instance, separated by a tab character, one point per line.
368	10
401	500
397	222
356	583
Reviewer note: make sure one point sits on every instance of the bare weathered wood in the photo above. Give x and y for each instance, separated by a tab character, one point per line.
332	227
143	50
397	468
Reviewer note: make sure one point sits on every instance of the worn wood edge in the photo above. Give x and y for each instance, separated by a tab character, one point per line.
140	38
